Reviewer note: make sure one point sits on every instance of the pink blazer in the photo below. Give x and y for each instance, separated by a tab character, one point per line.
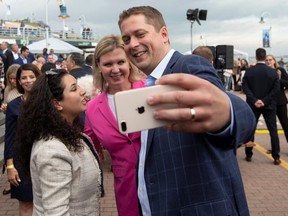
101	126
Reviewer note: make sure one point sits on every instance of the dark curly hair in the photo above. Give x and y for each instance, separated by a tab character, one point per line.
39	119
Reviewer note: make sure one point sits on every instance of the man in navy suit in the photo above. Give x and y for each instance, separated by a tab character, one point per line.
190	166
261	85
8	54
7	57
75	62
24	56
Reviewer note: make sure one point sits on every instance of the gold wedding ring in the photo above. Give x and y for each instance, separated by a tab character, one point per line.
193	114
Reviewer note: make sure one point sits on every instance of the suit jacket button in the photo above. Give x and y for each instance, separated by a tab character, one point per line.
129	142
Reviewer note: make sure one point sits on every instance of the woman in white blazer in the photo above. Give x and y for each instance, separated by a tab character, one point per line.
64	167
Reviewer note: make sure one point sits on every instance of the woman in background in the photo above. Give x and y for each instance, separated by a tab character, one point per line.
114	72
61	160
243	66
21	187
281	98
10	93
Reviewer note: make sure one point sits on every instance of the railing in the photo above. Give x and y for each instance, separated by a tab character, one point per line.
26	33
21	32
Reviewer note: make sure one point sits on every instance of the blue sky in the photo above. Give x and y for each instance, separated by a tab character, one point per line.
229	22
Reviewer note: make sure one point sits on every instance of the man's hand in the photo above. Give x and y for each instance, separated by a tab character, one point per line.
259	103
211	105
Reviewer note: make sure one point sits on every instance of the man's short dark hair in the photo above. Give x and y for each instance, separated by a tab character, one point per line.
47	66
89	59
77	58
23	49
260	54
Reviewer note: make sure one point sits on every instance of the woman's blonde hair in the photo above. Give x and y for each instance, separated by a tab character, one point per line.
276	65
11	69
105	45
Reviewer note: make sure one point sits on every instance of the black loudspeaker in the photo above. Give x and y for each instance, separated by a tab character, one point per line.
224	56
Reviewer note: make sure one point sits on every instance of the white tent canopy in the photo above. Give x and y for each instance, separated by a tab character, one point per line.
59	46
240	54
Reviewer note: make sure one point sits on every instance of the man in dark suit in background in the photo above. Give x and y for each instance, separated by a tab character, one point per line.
75	63
88	64
7	57
261	85
8	53
24	56
191	168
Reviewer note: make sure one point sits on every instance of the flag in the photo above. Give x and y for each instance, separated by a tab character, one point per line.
266	38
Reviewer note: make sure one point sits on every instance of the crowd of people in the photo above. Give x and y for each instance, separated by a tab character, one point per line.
57	125
21	71
239	68
264	87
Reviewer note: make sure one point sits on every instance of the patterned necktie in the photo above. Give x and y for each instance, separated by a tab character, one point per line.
150	81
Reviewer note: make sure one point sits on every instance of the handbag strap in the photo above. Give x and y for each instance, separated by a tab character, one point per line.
91	147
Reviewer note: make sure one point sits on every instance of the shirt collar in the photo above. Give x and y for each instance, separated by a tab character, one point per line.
159	70
22	57
262	62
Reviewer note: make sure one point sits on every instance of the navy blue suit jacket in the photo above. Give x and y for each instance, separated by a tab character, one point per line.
78	72
20	61
197	174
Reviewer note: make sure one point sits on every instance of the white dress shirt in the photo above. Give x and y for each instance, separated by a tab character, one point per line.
142	191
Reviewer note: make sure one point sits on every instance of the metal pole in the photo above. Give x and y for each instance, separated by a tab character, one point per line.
64	30
191	27
270	27
46	28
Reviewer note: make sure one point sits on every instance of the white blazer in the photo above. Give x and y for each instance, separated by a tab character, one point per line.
64	182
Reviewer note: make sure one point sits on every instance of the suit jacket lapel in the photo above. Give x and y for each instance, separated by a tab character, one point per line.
151	133
103	107
169	68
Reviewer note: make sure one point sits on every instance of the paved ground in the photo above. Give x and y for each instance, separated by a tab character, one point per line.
265	184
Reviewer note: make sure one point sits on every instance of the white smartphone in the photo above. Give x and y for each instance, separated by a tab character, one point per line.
134	114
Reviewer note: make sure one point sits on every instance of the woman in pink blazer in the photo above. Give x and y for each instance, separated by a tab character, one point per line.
114	73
